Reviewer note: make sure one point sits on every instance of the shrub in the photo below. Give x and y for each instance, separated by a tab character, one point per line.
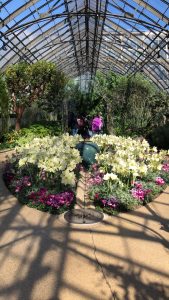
26	135
159	137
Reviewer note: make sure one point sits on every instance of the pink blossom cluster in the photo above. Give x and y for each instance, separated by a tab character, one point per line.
159	181
21	183
165	167
139	192
95	167
137	184
96	179
53	200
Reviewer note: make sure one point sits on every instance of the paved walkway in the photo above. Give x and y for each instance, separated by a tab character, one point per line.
123	258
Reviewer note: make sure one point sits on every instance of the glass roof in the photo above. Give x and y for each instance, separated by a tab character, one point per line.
83	36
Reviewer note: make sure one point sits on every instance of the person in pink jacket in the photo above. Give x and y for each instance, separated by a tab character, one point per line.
97	124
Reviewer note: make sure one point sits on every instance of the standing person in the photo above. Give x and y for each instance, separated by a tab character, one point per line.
80	124
90	126
97	124
72	124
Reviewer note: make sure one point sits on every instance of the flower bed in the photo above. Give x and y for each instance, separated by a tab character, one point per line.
42	174
128	173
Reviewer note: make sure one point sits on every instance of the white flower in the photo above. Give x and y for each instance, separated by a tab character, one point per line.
111	176
68	178
106	176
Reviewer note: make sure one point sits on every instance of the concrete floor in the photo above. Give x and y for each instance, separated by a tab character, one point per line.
124	258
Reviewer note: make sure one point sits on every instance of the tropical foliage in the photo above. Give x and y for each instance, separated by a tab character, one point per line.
4	105
26	135
131	105
40	82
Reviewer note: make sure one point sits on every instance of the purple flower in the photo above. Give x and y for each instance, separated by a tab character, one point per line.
58	200
42	191
110	202
25	181
21	183
53	200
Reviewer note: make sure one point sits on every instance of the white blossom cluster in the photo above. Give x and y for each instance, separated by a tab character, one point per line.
52	154
119	157
127	157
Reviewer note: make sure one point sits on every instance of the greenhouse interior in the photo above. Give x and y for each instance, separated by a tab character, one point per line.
84	149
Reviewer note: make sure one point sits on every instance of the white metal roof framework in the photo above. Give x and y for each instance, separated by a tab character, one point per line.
83	36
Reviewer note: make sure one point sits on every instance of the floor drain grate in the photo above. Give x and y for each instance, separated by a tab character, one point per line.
83	216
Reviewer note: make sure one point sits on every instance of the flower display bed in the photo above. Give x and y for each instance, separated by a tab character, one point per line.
43	174
128	173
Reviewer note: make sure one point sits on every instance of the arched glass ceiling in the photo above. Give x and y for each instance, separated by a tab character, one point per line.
81	36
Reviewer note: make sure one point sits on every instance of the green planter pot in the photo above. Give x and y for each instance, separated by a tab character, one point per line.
88	151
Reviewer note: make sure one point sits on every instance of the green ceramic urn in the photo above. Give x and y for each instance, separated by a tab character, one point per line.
88	151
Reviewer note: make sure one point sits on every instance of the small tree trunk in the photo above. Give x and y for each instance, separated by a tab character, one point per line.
18	123
4	104
65	115
19	114
109	118
5	123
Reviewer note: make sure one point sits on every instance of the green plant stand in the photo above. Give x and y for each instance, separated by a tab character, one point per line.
88	151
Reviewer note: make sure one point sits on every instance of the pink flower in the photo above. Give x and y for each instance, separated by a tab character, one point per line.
140	193
148	191
95	167
53	200
165	167
96	196
32	195
159	181
97	179
138	185
17	189
104	201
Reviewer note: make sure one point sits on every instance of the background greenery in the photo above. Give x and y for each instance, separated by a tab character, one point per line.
26	135
131	106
